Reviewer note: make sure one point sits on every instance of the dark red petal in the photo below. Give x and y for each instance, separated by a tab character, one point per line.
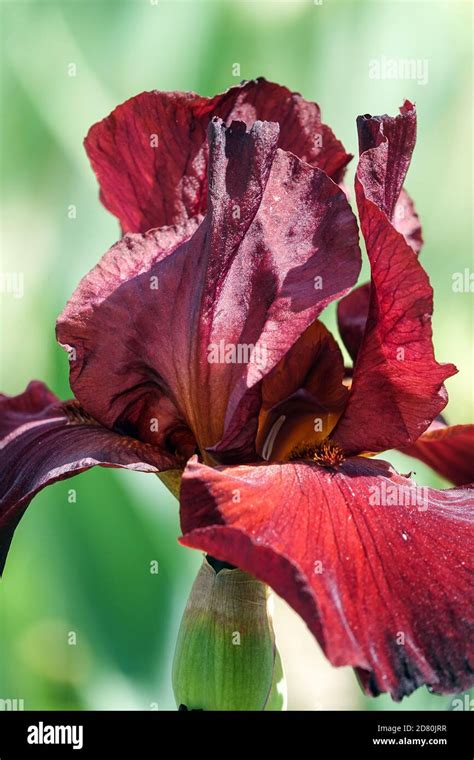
115	337
383	174
397	387
352	311
305	240
381	571
301	129
386	143
28	406
150	154
150	158
247	277
406	220
448	449
45	440
306	388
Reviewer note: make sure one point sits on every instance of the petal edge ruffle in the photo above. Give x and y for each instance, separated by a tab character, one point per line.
397	387
380	570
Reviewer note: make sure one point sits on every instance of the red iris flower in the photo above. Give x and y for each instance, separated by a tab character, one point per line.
196	337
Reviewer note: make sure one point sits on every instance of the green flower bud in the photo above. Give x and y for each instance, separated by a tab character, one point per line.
226	657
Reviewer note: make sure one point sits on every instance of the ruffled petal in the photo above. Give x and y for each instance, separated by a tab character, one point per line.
383	177
301	129
352	310
150	154
386	146
307	250
380	570
202	322
27	406
44	440
397	387
448	449
116	330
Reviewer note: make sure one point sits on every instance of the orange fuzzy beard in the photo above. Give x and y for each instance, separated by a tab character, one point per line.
328	453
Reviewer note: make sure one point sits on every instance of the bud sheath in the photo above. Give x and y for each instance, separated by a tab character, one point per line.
226	657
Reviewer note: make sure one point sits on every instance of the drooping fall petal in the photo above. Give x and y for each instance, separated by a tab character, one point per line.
397	387
380	569
150	154
44	440
448	449
27	406
203	321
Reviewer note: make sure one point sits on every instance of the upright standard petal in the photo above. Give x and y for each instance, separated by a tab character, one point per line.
278	243
44	440
385	174
397	387
448	449
299	250
381	570
301	129
150	154
117	379
386	143
353	309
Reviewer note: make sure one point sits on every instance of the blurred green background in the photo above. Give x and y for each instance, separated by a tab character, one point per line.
83	567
